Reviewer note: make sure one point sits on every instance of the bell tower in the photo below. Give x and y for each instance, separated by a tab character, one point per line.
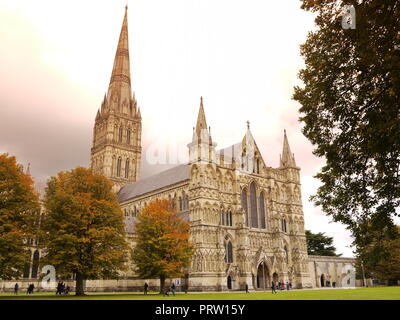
116	150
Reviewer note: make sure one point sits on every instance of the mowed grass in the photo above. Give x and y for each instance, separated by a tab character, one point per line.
380	293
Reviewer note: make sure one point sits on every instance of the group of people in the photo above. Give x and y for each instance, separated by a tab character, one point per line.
328	284
170	289
29	290
166	291
61	288
280	286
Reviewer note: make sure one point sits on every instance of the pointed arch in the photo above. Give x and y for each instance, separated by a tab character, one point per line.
253	205
245	205
228	250
127	169
35	264
119	165
262	211
128	136
120	134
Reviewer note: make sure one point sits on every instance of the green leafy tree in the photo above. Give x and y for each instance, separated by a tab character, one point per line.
381	257
318	244
18	205
350	111
84	231
162	242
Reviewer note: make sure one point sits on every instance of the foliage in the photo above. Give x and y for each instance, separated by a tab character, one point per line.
318	244
19	204
162	242
84	230
351	114
381	257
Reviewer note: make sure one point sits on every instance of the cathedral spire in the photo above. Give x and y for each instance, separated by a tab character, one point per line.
120	82
201	126
287	158
116	151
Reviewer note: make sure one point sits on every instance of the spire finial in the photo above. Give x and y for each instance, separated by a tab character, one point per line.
121	74
248	124
287	157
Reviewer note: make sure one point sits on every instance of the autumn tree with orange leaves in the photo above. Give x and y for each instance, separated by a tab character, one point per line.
83	230
19	203
162	242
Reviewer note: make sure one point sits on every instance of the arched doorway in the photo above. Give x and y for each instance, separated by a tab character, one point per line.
262	276
322	280
229	282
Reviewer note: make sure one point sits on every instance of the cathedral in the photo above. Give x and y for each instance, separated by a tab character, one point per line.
246	218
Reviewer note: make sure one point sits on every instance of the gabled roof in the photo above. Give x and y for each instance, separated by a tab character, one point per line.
158	181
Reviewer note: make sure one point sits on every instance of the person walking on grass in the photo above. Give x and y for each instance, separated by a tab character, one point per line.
173	288
146	287
273	287
247	288
16	287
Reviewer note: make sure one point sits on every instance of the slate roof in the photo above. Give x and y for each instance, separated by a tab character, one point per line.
158	181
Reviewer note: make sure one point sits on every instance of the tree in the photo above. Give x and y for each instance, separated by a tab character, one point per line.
162	242
381	258
18	204
318	244
350	112
84	231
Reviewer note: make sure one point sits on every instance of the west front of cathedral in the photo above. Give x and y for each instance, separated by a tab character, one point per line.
246	218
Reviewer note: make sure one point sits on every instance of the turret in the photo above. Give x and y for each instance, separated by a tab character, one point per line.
202	148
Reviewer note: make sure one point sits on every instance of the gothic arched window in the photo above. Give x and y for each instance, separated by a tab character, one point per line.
262	211
284	226
244	205
127	169
184	198
119	163
253	206
35	264
228	252
120	134
27	267
128	136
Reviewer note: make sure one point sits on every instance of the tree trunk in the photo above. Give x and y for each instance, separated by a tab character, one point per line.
79	291
162	284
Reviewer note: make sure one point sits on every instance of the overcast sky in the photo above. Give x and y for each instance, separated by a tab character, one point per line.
242	56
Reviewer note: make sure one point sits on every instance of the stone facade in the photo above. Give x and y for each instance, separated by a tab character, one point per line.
332	271
246	218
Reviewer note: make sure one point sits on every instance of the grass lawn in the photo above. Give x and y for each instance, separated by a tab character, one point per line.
380	293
